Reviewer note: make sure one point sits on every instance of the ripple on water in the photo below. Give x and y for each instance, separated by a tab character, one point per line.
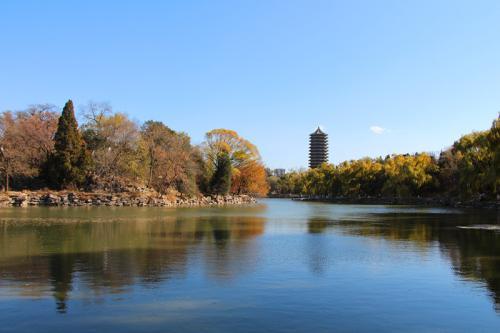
494	227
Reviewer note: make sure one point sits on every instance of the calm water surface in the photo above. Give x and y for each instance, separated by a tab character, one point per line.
281	266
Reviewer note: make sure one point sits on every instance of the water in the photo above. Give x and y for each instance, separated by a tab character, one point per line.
281	266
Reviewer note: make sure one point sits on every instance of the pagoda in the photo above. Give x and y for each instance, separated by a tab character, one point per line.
318	148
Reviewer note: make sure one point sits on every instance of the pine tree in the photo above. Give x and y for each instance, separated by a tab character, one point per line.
221	179
70	161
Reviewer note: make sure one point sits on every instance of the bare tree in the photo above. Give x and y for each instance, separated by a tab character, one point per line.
95	112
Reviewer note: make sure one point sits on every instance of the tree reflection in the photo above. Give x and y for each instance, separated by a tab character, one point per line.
317	225
317	248
110	256
474	253
232	251
61	271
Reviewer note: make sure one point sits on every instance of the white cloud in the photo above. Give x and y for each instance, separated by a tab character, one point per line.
377	130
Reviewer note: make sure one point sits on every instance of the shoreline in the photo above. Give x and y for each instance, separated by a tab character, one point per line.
122	199
425	202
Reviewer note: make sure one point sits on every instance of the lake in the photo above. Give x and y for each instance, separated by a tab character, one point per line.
279	266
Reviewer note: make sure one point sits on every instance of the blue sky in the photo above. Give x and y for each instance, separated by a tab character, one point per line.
379	76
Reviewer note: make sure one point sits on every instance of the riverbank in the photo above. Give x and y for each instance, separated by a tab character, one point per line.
431	202
131	199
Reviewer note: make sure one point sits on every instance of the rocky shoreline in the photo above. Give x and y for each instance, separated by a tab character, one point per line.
130	199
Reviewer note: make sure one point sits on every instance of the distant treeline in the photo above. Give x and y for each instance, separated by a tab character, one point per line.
470	169
42	148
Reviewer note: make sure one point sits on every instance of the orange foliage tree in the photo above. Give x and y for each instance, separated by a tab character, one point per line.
250	178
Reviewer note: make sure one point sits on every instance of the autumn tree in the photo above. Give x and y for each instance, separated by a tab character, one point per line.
155	138
169	157
26	141
398	175
318	182
36	129
113	140
8	148
239	149
291	183
408	175
248	172
475	159
250	178
177	167
69	164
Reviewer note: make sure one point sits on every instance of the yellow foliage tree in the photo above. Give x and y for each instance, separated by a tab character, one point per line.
249	175
239	149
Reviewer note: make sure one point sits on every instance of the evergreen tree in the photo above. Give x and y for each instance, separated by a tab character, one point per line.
70	161
221	179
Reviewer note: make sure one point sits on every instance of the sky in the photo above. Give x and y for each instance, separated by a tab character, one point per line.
379	77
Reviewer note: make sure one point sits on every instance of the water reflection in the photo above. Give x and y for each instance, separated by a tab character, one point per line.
474	252
317	225
317	247
284	261
109	257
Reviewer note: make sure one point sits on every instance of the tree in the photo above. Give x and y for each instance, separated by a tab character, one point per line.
177	168
70	161
202	178
36	128
318	181
170	158
292	183
249	176
221	179
154	136
494	143
408	175
239	149
8	147
475	159
448	172
113	140
26	141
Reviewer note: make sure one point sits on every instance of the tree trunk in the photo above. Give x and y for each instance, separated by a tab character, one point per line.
151	166
7	179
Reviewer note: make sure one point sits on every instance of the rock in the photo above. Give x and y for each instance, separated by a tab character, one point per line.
50	199
142	198
4	200
20	200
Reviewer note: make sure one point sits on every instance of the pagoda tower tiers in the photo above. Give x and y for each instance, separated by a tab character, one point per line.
318	148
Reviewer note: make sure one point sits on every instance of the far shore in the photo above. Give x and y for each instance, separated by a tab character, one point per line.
415	201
